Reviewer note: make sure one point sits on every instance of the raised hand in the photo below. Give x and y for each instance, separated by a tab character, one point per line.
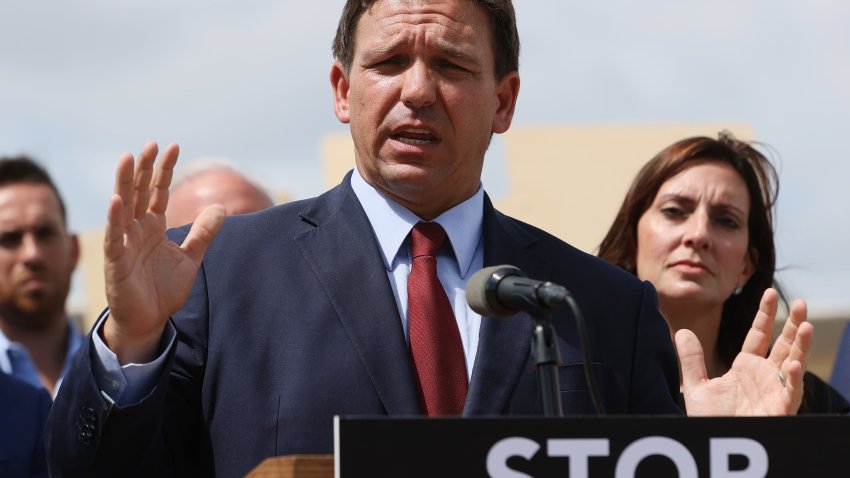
147	276
757	383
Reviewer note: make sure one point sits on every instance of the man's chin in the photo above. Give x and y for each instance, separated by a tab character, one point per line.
33	314
409	179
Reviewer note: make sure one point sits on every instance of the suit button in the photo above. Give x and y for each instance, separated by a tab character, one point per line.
86	423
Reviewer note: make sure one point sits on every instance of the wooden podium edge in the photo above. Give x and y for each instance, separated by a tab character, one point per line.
295	466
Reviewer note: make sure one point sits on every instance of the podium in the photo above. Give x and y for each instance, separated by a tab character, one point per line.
612	446
295	466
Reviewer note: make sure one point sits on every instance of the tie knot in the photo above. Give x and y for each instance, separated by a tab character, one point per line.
426	238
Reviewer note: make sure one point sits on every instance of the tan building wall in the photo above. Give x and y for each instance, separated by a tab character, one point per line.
91	273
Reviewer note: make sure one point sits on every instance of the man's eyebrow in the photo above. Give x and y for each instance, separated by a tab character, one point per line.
383	49
377	52
447	48
451	50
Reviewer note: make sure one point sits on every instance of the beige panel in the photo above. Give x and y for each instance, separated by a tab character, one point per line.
571	180
91	267
282	197
337	157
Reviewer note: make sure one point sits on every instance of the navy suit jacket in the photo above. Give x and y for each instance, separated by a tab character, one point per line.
292	320
23	413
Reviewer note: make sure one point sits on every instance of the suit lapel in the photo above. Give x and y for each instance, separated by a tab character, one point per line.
504	344
343	253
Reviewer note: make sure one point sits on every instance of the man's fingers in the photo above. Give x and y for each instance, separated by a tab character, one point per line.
130	201
162	179
113	240
142	182
691	358
203	231
761	332
124	188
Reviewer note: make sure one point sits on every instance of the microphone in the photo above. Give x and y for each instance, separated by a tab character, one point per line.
502	291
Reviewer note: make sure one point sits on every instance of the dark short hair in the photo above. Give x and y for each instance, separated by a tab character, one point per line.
23	169
620	244
503	32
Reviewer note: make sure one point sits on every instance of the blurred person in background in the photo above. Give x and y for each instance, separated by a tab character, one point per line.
207	181
23	413
697	223
37	258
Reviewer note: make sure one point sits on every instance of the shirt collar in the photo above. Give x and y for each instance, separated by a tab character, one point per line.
392	223
75	339
5	346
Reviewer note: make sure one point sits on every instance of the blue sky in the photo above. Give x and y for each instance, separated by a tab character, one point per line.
83	81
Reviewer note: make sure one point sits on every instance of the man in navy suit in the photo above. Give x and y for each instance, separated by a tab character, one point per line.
23	413
243	341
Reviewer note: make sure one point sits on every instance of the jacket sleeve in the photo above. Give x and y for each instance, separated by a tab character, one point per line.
163	434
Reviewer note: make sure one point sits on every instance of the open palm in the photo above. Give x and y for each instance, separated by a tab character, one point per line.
757	383
147	276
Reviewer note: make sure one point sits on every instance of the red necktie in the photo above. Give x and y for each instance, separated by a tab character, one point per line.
435	344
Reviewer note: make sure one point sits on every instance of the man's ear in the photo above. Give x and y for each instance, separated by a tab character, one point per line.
340	85
75	250
507	91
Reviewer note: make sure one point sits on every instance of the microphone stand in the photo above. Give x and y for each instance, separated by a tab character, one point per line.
547	359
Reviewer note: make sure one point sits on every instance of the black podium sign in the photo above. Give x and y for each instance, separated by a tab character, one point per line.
513	447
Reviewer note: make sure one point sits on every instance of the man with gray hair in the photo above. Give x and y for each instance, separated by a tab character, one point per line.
209	180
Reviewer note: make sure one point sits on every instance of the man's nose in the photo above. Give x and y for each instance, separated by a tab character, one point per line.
31	250
418	88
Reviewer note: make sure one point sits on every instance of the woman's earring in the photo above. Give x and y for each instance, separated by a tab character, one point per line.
738	290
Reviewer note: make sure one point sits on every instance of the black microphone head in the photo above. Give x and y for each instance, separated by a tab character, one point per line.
481	291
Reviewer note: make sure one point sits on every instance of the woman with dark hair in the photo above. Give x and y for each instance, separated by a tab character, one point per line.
697	222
